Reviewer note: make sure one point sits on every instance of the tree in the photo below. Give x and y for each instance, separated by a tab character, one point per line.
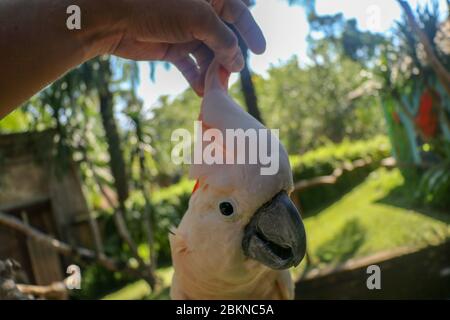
106	101
439	69
71	106
248	89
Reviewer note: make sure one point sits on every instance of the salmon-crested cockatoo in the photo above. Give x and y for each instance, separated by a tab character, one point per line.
241	231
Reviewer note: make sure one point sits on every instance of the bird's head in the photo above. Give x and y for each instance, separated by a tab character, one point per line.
241	212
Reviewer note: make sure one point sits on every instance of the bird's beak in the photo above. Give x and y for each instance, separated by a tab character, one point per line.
275	236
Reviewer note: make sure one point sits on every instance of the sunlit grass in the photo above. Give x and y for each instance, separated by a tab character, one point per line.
134	291
377	215
141	290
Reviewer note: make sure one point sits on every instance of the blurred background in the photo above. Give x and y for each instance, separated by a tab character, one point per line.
360	92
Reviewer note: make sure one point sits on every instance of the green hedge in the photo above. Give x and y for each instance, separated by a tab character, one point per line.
324	160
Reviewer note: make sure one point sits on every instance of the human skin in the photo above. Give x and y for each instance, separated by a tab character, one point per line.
36	47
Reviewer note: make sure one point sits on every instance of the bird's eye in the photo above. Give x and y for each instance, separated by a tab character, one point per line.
226	208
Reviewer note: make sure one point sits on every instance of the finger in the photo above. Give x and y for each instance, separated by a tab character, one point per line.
140	50
219	38
237	13
203	62
202	54
195	48
191	72
203	57
181	55
180	50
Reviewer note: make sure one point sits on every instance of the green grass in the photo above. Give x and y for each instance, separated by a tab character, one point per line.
141	290
134	291
376	215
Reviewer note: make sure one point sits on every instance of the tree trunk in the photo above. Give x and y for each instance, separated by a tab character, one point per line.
117	162
149	219
248	89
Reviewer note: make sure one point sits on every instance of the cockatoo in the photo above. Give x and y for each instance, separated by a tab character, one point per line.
241	231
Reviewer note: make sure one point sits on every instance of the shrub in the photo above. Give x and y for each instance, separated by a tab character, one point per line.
323	161
434	186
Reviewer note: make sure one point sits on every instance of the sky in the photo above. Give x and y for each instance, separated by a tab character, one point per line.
285	29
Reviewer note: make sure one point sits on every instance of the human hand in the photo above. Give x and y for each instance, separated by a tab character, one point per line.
180	31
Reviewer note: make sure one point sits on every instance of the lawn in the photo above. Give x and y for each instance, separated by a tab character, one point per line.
377	215
141	290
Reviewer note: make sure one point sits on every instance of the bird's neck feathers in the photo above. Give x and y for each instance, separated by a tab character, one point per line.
208	270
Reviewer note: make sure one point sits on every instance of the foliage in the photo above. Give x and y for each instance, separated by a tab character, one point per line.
168	206
333	34
416	106
312	105
434	186
408	82
140	289
167	116
82	108
134	291
324	160
16	121
97	281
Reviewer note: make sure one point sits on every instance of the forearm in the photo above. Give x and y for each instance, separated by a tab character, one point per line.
36	47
